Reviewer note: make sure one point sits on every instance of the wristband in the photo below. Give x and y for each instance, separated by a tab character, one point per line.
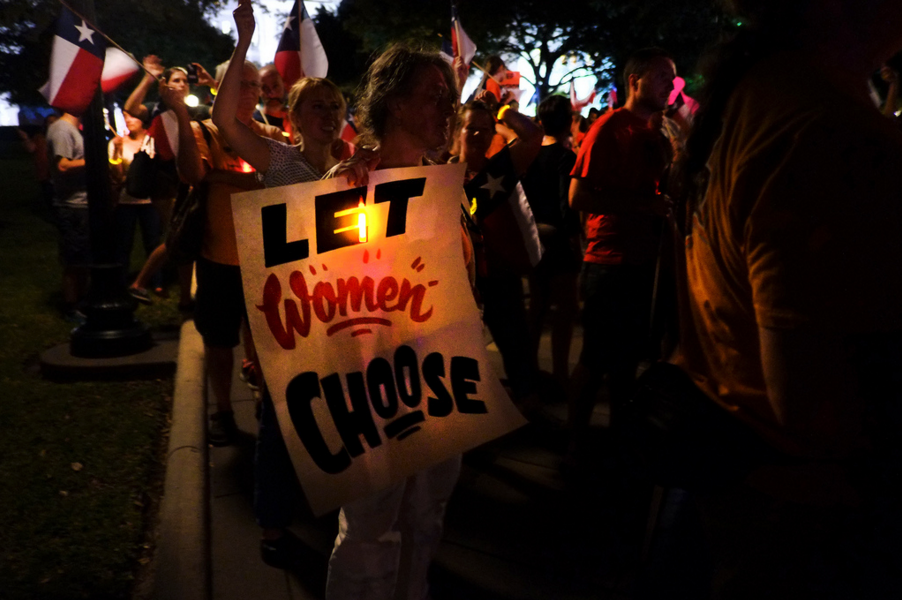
115	161
503	111
213	91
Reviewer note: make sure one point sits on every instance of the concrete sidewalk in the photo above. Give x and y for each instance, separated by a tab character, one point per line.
515	528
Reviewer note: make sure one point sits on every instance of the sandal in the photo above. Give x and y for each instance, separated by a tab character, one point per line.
140	294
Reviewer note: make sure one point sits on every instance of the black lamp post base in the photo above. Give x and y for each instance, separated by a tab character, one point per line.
111	328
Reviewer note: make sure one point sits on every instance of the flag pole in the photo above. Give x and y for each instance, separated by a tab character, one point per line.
108	38
457	31
111	329
459	48
456	18
476	64
492	77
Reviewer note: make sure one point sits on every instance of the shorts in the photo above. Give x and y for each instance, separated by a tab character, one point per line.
75	235
219	304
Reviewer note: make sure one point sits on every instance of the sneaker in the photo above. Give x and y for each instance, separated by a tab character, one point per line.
282	553
223	430
249	374
140	294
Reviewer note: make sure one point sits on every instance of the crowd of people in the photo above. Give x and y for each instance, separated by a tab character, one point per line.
754	247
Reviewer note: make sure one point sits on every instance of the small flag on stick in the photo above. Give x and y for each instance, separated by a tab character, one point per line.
117	69
461	44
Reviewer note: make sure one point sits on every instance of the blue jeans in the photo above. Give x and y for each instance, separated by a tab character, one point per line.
148	218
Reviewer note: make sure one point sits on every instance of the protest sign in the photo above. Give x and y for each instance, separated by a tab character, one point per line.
366	328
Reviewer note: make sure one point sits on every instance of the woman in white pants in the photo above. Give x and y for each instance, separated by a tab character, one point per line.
386	541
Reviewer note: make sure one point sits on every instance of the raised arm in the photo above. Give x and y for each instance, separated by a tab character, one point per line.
135	103
246	143
204	78
189	163
529	138
462	70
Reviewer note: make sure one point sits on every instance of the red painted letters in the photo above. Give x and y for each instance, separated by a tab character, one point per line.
346	297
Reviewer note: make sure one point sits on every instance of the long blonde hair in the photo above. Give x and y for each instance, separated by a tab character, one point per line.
300	92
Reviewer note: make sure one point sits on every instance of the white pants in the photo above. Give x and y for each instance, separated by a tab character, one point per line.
386	541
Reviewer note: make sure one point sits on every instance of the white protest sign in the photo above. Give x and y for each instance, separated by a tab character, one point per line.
366	328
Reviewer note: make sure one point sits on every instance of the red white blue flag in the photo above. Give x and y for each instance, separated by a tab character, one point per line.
508	225
117	69
76	64
300	52
461	44
164	129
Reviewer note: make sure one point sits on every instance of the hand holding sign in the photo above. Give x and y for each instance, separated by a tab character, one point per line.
356	170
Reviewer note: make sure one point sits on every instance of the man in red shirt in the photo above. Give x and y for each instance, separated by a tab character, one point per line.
616	182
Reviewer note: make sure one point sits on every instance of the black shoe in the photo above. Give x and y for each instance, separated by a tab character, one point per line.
282	553
223	430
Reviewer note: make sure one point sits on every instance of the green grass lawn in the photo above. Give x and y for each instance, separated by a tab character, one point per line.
80	463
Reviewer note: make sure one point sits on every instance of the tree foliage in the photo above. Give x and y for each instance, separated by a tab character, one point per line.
685	28
347	60
593	37
543	32
175	30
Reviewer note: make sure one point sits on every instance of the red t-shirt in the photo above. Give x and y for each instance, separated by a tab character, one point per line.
621	153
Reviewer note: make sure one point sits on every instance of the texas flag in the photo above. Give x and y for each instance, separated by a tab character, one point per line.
461	44
300	53
117	69
505	218
76	63
164	129
349	130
